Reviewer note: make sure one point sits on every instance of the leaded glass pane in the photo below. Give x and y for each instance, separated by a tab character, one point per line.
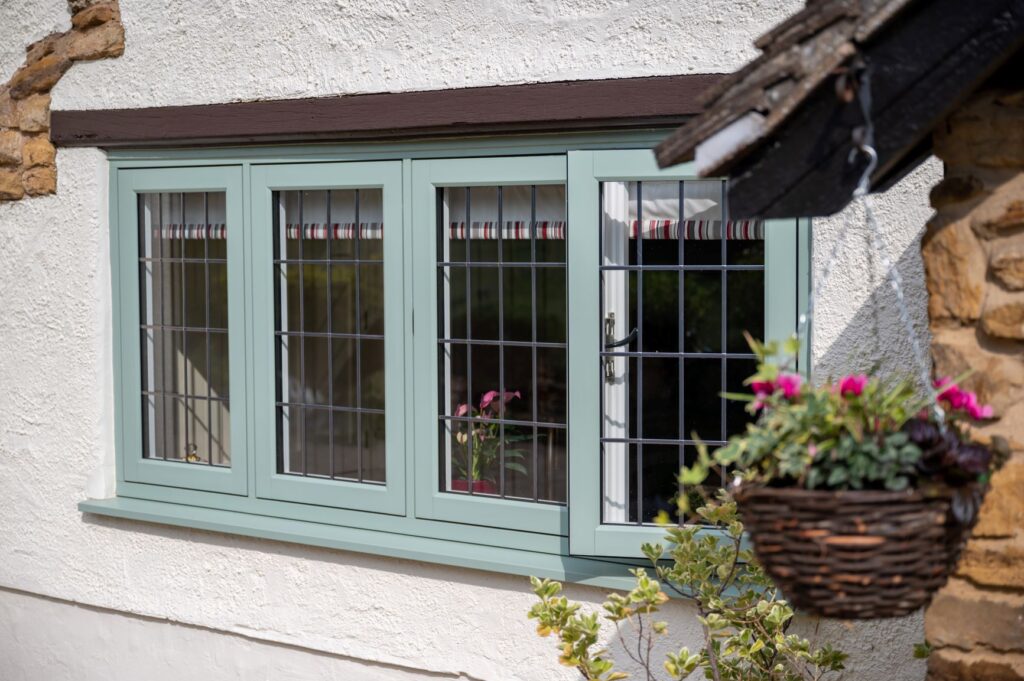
680	283
502	331
329	294
184	330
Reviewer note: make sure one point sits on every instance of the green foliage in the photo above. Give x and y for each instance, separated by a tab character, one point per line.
843	435
854	433
745	622
577	633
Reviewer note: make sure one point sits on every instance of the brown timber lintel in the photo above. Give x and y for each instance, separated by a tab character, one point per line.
536	107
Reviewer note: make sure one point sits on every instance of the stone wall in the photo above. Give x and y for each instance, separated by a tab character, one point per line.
28	161
974	259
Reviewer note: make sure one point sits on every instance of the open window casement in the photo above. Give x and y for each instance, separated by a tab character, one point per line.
659	263
679	283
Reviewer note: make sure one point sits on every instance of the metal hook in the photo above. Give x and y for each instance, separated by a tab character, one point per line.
864	184
864	136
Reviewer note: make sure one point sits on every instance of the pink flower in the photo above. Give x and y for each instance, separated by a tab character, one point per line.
951	393
790	385
488	397
960	399
853	385
462	410
491	395
975	410
981	412
762	391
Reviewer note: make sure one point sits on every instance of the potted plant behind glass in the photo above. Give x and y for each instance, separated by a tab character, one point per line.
480	443
858	494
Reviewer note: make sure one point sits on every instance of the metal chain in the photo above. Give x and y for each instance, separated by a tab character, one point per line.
803	327
864	145
896	282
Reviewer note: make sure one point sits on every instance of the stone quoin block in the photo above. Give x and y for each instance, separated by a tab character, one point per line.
964	616
39	76
955	268
10	148
949	664
952	190
1006	263
1003	315
28	161
41	180
38	151
11	188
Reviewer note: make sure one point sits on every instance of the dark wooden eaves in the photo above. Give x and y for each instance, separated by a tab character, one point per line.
923	64
538	107
797	56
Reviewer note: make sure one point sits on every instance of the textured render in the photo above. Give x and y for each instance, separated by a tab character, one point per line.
856	320
194	52
152	649
238	595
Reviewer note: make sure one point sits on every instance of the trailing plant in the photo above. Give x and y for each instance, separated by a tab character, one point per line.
745	621
854	433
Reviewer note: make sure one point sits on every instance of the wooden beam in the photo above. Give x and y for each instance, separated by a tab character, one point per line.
539	107
923	66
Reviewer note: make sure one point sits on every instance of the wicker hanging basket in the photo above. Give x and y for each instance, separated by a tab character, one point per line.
853	554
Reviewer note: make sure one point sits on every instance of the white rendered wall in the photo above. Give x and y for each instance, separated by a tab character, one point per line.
202	605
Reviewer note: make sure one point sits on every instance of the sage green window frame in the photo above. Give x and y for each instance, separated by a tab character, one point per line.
270	484
784	297
569	543
130	186
427	177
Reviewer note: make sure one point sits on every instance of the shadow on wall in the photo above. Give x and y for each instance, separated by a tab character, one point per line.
873	337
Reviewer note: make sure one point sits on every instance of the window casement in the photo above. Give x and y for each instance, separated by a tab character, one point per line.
183	325
490	352
328	334
481	355
675	283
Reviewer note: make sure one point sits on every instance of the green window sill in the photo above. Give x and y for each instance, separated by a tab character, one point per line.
608	574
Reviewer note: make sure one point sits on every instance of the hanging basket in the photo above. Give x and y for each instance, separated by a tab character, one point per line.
853	554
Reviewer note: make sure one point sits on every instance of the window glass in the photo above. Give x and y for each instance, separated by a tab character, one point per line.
329	327
680	283
184	327
501	281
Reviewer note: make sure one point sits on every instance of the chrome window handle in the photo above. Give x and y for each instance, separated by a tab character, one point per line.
619	343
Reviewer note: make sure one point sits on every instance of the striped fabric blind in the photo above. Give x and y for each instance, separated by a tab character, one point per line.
338	230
